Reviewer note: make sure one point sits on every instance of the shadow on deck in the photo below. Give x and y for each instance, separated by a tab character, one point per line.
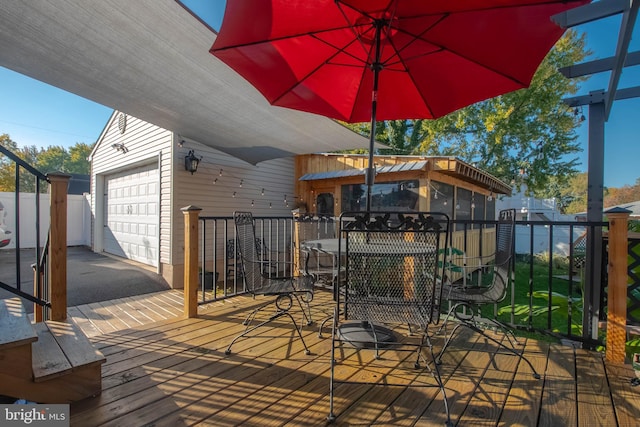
174	372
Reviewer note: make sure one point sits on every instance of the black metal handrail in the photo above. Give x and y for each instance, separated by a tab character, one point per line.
538	273
219	261
41	291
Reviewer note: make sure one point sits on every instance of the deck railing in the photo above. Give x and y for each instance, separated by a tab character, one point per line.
219	269
553	291
49	293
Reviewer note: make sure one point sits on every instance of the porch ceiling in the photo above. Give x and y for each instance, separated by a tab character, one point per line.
151	59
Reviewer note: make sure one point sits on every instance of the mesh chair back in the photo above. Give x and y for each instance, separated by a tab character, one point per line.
505	233
312	227
248	251
315	227
391	263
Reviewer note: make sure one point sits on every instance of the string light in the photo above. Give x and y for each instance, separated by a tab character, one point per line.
249	188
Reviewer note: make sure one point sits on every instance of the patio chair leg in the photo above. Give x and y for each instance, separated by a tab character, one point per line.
438	378
247	320
306	315
273	317
334	330
469	324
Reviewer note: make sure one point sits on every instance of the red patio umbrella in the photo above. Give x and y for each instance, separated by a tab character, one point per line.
361	60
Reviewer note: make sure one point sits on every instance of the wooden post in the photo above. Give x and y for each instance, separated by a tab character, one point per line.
191	260
57	265
617	287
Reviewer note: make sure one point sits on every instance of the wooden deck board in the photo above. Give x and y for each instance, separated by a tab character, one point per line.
595	406
174	373
526	388
559	399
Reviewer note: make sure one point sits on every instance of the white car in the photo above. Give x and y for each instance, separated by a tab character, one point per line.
5	235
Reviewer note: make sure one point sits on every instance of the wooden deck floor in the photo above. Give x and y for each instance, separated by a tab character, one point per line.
173	372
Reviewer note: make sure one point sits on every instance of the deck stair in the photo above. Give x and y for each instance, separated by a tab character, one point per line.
46	362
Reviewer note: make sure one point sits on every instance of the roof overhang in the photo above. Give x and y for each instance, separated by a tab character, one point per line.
466	172
446	165
401	167
151	59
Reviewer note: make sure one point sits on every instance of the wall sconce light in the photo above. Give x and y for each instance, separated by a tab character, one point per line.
119	146
191	162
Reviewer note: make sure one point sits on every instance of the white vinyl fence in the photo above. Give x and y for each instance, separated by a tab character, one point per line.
78	220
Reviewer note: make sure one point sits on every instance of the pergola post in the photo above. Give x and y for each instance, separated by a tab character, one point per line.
617	289
595	206
191	214
57	265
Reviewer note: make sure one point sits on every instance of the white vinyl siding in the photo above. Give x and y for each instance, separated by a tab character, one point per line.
145	144
214	192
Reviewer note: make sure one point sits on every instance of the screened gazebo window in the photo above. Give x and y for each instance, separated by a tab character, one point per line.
478	204
491	210
442	198
396	195
463	207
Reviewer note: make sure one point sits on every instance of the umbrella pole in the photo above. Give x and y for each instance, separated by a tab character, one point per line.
376	67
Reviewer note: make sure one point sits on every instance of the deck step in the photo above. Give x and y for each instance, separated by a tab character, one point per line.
62	347
16	329
46	362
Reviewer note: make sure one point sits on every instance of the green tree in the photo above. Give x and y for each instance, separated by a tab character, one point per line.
27	181
78	155
7	166
526	137
51	159
573	197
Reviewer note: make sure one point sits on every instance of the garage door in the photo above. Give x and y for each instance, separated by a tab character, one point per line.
132	215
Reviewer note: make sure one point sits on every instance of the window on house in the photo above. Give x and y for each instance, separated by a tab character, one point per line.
395	195
324	204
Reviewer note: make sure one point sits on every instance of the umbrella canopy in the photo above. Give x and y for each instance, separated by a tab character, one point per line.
361	60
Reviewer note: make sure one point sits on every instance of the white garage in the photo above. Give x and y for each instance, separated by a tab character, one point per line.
131	214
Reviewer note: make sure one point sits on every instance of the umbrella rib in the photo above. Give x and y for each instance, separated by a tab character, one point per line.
338	50
276	39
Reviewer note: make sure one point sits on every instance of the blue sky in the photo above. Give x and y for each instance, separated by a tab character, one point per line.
34	113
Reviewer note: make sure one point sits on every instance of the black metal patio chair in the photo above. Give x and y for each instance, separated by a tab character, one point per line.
390	281
467	299
259	282
314	261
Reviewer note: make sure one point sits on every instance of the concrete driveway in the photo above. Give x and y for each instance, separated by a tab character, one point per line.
91	277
